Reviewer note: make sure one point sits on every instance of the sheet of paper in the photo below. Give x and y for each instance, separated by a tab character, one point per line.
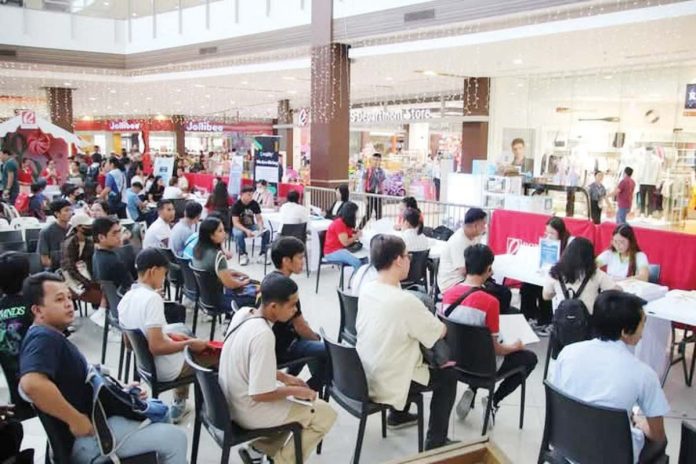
515	327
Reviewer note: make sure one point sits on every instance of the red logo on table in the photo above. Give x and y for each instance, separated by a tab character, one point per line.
28	118
513	245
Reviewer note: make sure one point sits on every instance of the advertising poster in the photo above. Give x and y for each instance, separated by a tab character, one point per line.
267	161
549	252
164	167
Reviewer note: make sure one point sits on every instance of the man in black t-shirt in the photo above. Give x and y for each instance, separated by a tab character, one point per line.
106	264
53	373
295	339
248	222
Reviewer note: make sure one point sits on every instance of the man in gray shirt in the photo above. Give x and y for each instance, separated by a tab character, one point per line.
52	236
185	227
598	195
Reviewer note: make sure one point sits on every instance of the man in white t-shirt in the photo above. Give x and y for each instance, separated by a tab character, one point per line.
452	267
292	212
157	235
605	372
172	191
249	376
392	324
142	308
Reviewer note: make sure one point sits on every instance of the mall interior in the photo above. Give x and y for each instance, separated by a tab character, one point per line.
524	110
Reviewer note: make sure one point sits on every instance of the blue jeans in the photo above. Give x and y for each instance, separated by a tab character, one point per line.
344	256
621	214
167	440
308	349
239	238
230	295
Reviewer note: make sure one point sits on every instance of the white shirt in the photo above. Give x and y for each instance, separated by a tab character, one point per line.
606	373
618	267
247	368
293	213
365	273
599	282
415	241
172	193
157	234
452	259
391	325
142	308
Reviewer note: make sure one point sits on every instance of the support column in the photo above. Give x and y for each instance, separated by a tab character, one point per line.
60	107
475	133
179	133
285	132
330	111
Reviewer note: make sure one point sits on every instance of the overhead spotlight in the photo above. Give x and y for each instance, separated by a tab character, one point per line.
517	61
429	72
67	84
200	86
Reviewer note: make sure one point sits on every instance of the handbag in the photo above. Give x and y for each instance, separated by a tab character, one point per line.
355	247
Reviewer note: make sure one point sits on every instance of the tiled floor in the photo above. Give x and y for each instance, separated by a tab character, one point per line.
521	446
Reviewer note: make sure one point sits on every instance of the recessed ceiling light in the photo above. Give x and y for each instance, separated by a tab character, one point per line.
244	82
68	84
87	118
207	95
134	14
106	3
270	95
200	86
608	76
92	98
231	102
148	98
126	103
289	78
517	61
429	72
388	78
292	92
520	84
177	90
112	90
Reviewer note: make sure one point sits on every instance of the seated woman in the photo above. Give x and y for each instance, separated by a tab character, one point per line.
404	204
340	235
342	196
575	268
156	190
624	258
535	309
219	202
76	261
209	256
412	231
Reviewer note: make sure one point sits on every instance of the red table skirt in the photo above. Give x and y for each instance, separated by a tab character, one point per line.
205	181
675	252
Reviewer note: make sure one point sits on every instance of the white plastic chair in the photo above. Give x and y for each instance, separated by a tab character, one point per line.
4	225
20	223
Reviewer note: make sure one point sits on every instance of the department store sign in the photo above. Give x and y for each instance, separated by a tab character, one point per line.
203	126
406	114
690	103
124	126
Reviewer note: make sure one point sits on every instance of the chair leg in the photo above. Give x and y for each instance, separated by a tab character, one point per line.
316	289
195	316
127	369
196	439
488	411
297	441
340	280
548	358
693	363
523	392
105	340
358	444
212	327
421	423
384	423
121	358
225	459
306	260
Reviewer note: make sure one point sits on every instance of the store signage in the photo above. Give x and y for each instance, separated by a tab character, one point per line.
203	126
267	160
303	117
124	125
690	97
407	114
28	118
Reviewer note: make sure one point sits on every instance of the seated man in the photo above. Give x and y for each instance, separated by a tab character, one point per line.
295	339
52	376
52	236
106	264
605	372
185	228
247	221
483	309
249	376
135	206
262	195
143	308
292	212
451	270
392	324
159	232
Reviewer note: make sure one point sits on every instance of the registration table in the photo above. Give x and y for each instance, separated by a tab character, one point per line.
314	226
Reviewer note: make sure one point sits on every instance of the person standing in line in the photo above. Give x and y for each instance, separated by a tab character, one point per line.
373	180
624	196
436	174
598	195
10	183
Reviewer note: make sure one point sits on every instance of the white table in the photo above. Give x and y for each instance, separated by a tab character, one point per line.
314	226
436	246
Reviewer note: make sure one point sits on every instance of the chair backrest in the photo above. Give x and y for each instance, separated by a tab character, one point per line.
11	236
210	400
174	274
190	285
13	246
179	207
583	432
348	375
322	240
35	265
4	225
127	255
111	292
653	273
419	266
31	236
59	438
210	290
298	231
349	313
471	348
687	449
24	223
143	357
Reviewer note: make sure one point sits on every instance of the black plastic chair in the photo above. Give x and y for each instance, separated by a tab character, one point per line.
213	413
190	287
418	272
179	207
349	314
174	276
299	231
582	432
31	236
145	362
348	387
472	351
110	291
11	236
687	449
35	265
210	296
13	246
127	254
323	262
60	441
22	409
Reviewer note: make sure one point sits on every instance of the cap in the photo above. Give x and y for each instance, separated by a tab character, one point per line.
81	219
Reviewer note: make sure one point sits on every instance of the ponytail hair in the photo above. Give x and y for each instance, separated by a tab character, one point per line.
413	217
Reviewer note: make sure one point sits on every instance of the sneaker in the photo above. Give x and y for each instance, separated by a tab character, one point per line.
99	317
491	418
263	259
178	411
543	330
251	455
465	404
430	446
401	419
114	336
243	260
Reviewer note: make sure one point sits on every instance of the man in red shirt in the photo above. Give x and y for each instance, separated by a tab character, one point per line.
624	196
480	308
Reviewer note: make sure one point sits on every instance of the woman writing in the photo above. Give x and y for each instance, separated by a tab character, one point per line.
340	235
624	259
156	190
209	256
342	195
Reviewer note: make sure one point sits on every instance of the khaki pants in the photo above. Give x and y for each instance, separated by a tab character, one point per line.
316	421
204	359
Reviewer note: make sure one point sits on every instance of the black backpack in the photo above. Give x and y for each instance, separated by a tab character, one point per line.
571	320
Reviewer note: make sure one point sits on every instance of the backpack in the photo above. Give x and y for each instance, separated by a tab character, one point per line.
571	320
441	233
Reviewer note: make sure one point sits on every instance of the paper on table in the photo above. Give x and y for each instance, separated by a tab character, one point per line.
515	327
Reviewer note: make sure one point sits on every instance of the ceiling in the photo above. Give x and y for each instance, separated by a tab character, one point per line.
116	9
235	88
